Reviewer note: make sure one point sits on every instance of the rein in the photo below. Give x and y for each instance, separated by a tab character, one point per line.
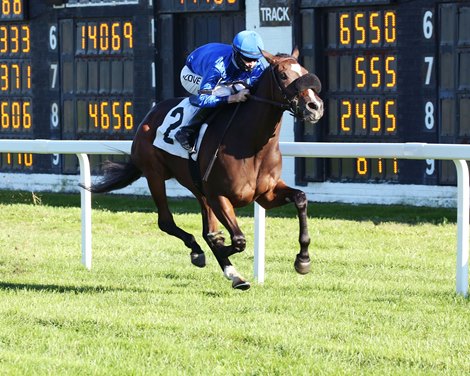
283	106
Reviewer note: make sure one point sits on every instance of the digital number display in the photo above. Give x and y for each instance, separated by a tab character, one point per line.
16	109
362	71
12	10
94	3
104	38
100	101
76	70
91	69
105	116
392	72
334	3
15	75
16	115
16	161
201	5
15	40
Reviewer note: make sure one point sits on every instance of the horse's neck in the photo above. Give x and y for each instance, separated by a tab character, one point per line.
256	127
267	119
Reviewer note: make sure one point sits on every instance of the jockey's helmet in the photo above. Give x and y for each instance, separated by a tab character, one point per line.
247	46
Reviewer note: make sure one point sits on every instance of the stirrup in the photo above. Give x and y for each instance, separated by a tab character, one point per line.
183	138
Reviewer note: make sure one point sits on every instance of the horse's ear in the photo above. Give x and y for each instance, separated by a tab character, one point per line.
269	57
295	52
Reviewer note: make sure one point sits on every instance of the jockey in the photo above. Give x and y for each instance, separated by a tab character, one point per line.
216	64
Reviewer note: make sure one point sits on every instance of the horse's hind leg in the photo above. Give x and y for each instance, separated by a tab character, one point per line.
166	222
281	195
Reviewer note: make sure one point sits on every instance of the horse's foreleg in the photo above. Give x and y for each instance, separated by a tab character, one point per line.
166	222
211	234
223	211
281	195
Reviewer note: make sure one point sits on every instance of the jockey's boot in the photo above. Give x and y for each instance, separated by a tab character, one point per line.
187	134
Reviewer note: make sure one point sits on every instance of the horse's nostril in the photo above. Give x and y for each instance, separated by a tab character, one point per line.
312	106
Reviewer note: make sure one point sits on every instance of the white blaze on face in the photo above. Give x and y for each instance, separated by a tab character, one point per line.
318	102
313	98
296	68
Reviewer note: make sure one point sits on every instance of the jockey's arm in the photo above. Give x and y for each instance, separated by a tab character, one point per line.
244	94
207	98
211	100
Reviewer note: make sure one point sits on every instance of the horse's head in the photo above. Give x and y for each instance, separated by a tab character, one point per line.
298	87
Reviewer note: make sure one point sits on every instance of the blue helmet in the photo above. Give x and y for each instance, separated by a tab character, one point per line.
248	44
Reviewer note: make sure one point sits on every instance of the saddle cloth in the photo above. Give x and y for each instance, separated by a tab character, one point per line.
178	116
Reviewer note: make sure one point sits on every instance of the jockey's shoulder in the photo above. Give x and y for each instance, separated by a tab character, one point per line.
212	49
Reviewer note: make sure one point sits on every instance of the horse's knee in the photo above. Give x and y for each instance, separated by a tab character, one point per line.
215	240
239	243
300	199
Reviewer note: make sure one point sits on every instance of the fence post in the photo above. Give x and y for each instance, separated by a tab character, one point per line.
463	207
260	230
85	204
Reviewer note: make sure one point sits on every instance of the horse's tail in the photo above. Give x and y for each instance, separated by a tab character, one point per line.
117	175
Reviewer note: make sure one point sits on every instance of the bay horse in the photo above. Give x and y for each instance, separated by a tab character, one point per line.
240	157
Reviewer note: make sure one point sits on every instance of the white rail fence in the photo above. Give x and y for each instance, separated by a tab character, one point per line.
457	153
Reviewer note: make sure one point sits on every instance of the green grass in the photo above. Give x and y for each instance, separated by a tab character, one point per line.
380	298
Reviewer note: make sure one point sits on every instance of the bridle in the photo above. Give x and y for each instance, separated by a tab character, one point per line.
291	92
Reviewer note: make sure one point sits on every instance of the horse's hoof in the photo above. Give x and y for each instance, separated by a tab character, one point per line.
198	259
240	284
301	267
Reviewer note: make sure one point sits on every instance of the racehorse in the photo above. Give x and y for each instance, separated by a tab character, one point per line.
239	157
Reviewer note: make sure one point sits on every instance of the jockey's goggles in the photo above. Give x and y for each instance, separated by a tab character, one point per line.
249	59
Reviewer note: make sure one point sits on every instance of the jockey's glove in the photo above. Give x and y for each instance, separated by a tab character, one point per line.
241	96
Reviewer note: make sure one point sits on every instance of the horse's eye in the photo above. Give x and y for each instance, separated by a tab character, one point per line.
283	76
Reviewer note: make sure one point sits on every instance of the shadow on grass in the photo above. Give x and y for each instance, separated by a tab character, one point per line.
176	287
120	203
63	289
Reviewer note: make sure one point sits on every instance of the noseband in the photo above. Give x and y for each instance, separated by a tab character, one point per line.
307	81
290	92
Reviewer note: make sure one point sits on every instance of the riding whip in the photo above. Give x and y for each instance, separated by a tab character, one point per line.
214	157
